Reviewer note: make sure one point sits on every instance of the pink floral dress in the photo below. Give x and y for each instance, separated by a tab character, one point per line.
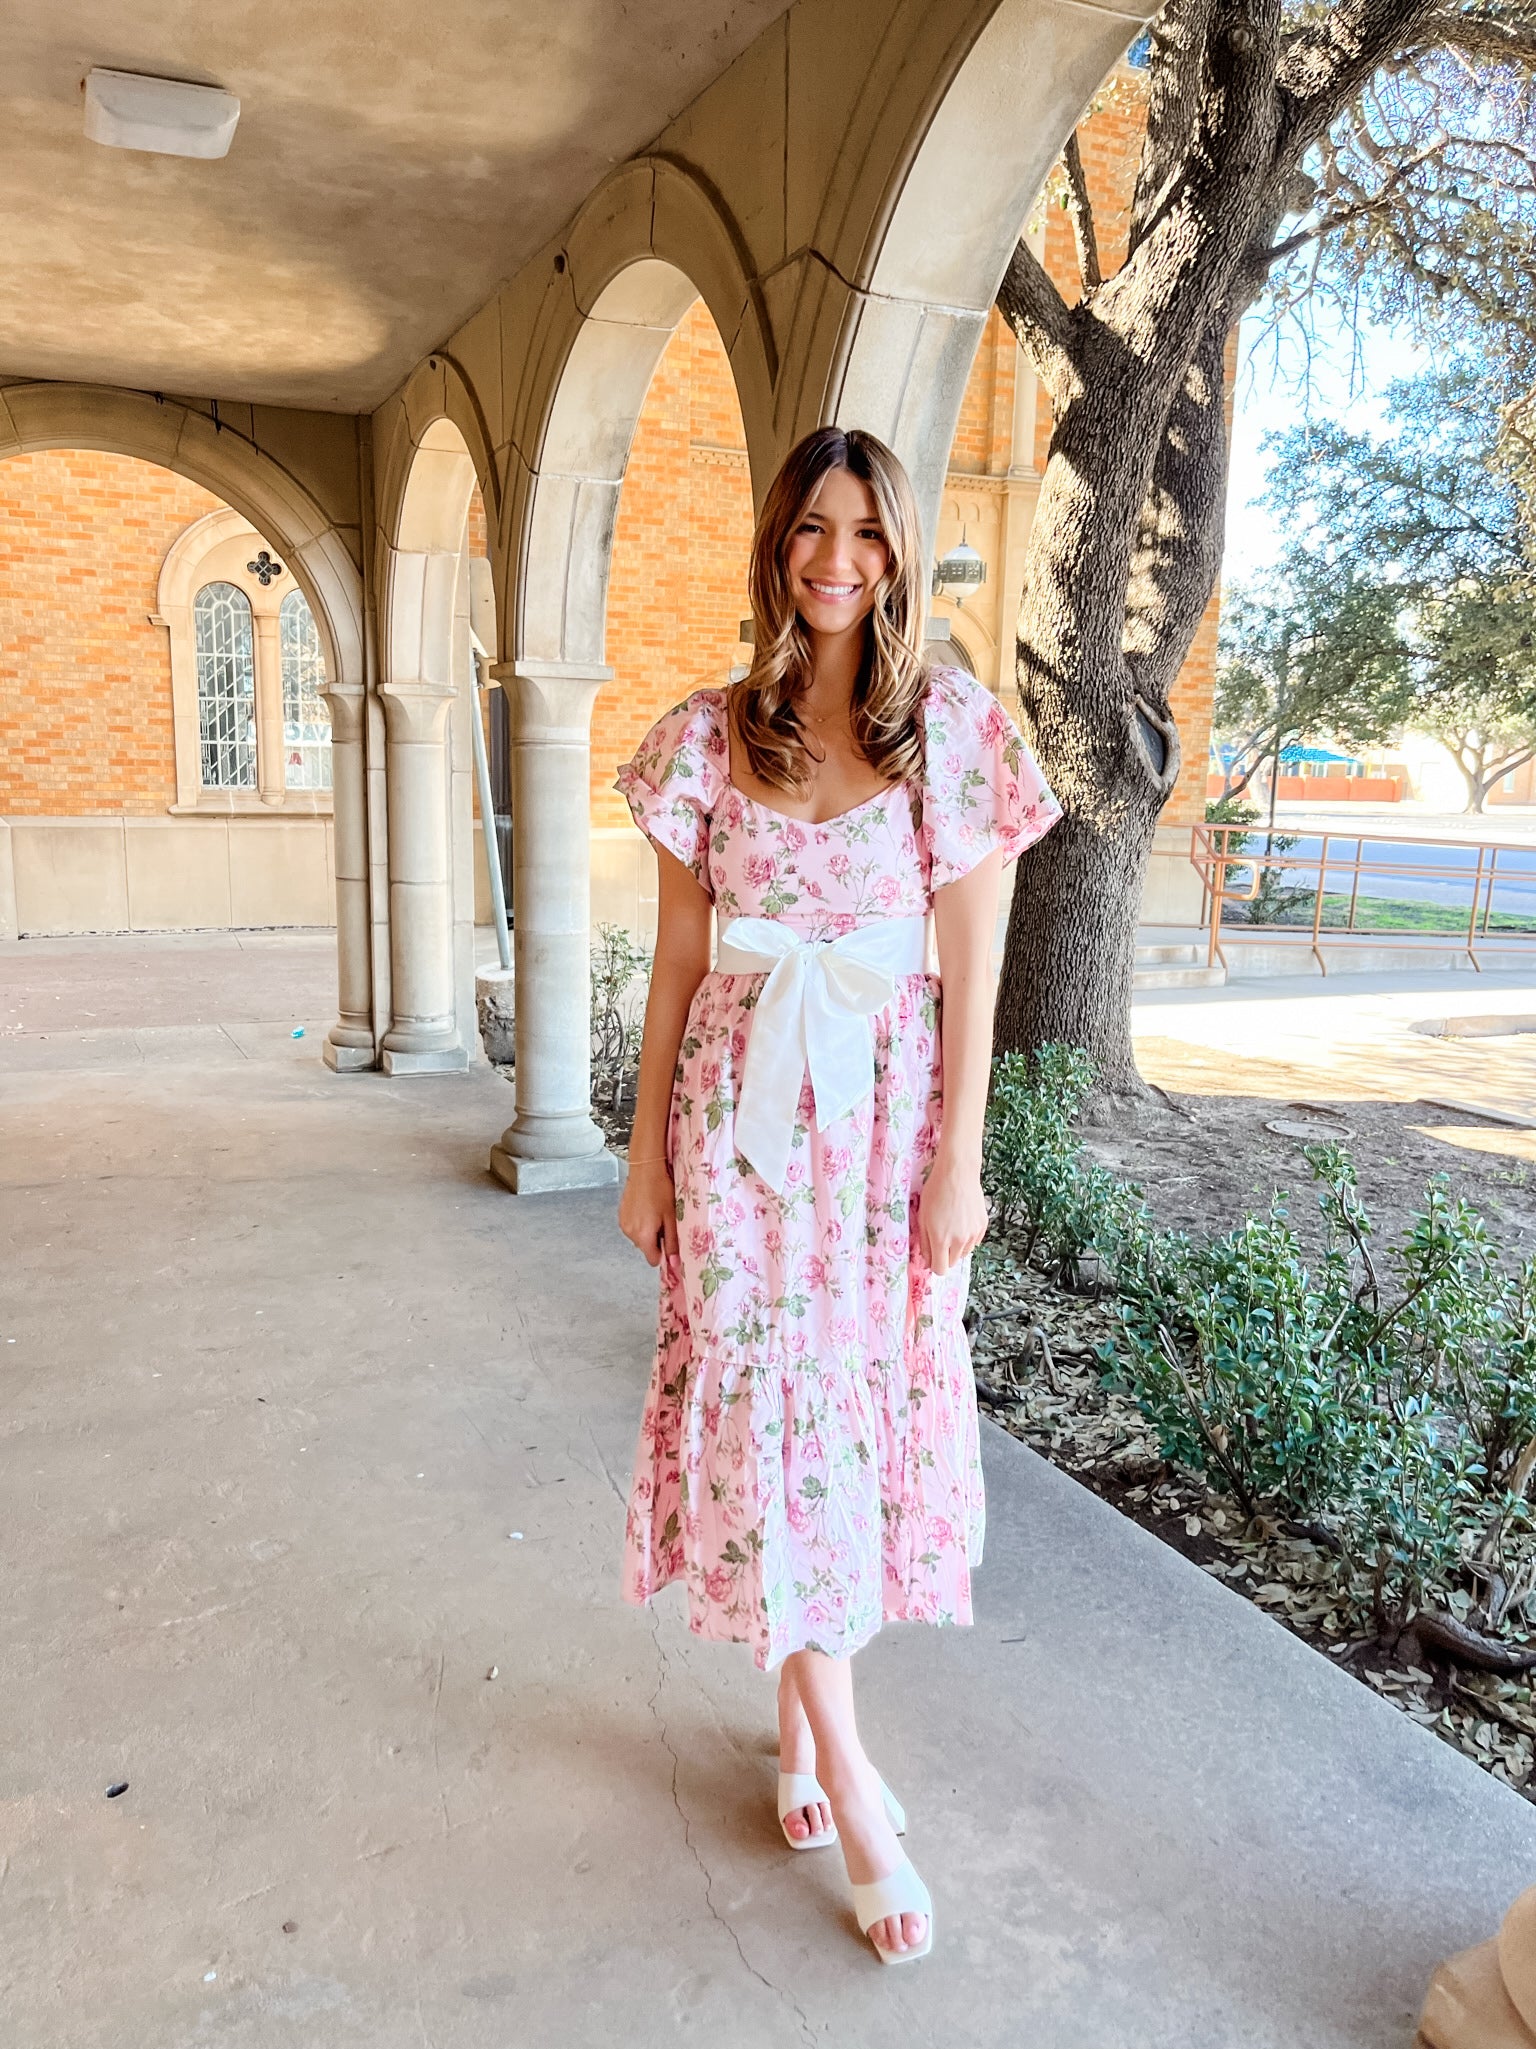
808	1461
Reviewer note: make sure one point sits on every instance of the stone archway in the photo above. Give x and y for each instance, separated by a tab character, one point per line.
553	1141
427	598
645	247
968	167
321	544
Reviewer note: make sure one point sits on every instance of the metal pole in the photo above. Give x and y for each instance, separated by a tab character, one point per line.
488	811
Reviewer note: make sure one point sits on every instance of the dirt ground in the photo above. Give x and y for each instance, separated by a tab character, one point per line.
1220	1156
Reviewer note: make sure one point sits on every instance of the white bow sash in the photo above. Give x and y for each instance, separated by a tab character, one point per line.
813	1012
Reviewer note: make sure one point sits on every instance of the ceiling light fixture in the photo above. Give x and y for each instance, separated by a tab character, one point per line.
125	110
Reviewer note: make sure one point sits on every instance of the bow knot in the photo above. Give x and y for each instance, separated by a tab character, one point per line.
813	1014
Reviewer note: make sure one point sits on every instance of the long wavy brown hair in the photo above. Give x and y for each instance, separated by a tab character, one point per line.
889	689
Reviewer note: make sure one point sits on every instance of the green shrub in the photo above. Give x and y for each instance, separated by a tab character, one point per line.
1388	1404
621	973
1045	1194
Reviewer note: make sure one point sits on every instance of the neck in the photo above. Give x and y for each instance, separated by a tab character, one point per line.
835	662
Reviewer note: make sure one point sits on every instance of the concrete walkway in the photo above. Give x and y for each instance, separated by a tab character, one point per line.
1348	1038
308	1426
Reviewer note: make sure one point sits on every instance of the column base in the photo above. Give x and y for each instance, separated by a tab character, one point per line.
442	1060
553	1177
348	1059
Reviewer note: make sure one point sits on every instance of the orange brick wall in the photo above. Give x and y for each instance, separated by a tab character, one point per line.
678	585
85	680
983	442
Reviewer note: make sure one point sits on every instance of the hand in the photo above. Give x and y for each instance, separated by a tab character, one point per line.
648	1210
951	1214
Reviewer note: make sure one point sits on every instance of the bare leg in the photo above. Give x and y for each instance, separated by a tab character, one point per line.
870	1847
797	1753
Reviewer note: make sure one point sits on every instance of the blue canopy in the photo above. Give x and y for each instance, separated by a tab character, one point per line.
1289	754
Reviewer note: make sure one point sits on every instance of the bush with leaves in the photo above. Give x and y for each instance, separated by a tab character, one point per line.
1385	1407
1053	1203
1402	1434
621	973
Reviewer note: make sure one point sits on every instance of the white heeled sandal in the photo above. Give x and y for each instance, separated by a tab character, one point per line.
801	1789
797	1790
900	1892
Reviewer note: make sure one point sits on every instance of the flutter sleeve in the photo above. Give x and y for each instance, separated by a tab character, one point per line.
676	776
982	788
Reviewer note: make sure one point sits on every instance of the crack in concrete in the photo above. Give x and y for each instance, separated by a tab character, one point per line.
607	1475
688	1843
437	1769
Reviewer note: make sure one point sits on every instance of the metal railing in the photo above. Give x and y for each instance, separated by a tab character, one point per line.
1395	894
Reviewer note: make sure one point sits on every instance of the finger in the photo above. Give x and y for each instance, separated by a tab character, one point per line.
669	1231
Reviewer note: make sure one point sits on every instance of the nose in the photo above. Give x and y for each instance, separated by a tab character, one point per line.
834	558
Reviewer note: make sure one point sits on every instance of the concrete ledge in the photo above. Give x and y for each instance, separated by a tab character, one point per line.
554	1177
447	1060
348	1059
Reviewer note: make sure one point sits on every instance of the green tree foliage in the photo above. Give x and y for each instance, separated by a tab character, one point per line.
1314	649
1421	546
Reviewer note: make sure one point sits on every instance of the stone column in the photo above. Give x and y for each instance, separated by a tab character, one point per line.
552	1142
423	1037
271	780
349	1045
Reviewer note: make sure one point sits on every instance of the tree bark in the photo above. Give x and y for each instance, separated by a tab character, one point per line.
1075	899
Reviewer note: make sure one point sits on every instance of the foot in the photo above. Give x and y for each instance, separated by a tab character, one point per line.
797	1753
871	1850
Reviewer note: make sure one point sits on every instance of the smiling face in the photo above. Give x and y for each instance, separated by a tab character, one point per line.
837	555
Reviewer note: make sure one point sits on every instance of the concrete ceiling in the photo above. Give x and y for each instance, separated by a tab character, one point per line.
395	161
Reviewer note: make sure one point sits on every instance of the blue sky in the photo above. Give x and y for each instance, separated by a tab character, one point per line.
1283	380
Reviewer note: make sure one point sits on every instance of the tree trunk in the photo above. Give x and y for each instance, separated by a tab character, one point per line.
1123	555
1072	945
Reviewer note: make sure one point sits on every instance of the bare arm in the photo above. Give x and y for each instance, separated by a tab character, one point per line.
647	1209
952	1214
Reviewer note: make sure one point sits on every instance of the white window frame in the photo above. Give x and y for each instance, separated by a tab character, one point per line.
218	549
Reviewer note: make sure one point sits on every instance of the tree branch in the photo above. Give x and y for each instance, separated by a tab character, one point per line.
1042	321
1324	65
1361	210
1486	35
1179	38
1178	549
1080	209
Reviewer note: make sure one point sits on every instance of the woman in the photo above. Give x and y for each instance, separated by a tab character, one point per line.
805	1162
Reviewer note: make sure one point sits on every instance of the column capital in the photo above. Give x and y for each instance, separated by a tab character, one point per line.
345	703
551	702
415	709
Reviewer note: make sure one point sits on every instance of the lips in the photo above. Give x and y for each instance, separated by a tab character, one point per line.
836	592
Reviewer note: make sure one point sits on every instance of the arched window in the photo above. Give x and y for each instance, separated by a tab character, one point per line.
226	687
306	725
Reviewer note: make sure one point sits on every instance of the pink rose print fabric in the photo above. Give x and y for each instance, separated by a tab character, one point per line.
808	1462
